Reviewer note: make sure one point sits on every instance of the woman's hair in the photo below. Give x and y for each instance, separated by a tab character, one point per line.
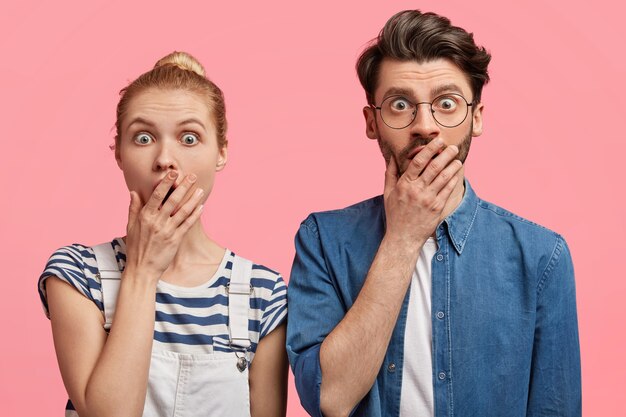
176	71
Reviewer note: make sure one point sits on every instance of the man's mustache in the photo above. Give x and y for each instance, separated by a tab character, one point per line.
414	144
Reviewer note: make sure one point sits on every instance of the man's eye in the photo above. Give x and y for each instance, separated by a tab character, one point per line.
446	104
190	139
400	104
143	139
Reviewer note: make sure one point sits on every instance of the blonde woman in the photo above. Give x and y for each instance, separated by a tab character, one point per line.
165	321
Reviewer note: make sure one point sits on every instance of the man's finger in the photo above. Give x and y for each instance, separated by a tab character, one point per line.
437	165
446	176
446	191
391	176
421	160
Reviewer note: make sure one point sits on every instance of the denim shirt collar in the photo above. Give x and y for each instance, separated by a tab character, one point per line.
459	222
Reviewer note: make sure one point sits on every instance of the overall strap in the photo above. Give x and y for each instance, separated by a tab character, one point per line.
239	291
110	276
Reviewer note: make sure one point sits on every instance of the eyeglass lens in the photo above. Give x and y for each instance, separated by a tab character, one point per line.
449	110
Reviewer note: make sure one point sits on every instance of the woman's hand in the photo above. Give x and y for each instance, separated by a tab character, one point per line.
154	231
108	375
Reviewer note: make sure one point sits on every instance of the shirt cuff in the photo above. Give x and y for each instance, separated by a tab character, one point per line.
308	378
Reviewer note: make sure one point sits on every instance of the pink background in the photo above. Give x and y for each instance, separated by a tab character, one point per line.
553	148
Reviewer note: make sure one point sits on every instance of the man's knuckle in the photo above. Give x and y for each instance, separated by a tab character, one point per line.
423	200
417	162
435	166
418	186
401	188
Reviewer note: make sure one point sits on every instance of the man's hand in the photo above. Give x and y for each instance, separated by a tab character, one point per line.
414	202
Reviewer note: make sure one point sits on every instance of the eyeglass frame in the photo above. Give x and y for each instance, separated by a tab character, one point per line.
432	112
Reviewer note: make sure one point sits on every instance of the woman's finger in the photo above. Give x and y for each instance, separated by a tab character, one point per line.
133	210
177	196
190	220
189	208
161	190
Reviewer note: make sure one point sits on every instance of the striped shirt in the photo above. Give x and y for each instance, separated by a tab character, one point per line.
187	319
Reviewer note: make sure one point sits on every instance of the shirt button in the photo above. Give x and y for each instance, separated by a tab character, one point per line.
440	257
442	375
391	367
440	315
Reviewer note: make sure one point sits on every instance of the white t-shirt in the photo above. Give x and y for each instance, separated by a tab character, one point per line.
416	398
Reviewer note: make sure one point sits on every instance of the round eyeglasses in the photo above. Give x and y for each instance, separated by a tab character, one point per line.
448	110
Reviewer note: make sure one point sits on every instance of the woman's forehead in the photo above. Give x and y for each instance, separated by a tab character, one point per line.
173	98
167	103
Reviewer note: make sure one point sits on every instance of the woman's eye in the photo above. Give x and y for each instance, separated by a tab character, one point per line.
143	139
190	139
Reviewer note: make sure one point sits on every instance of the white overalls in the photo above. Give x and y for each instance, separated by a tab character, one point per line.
183	384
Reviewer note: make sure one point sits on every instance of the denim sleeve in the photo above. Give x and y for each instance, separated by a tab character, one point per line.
555	385
314	311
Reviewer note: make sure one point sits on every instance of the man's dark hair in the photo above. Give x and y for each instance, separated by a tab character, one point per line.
411	35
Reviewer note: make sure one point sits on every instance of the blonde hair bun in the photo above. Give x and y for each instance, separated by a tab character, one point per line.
176	71
182	60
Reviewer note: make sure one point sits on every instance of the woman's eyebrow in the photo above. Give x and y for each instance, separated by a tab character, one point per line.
191	121
141	121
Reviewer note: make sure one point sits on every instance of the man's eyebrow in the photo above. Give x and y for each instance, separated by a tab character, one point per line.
398	91
446	88
435	92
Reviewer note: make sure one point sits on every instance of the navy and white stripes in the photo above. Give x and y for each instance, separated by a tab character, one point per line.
187	320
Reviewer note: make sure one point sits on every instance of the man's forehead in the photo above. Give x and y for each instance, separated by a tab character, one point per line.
422	78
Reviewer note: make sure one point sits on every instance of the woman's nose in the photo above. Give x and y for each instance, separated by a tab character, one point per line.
165	159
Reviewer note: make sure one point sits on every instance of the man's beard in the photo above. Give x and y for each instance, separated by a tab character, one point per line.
464	148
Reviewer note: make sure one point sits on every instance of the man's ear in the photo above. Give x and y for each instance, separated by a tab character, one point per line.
371	128
222	157
477	119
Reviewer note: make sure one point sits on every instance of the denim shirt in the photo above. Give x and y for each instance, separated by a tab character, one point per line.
504	325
